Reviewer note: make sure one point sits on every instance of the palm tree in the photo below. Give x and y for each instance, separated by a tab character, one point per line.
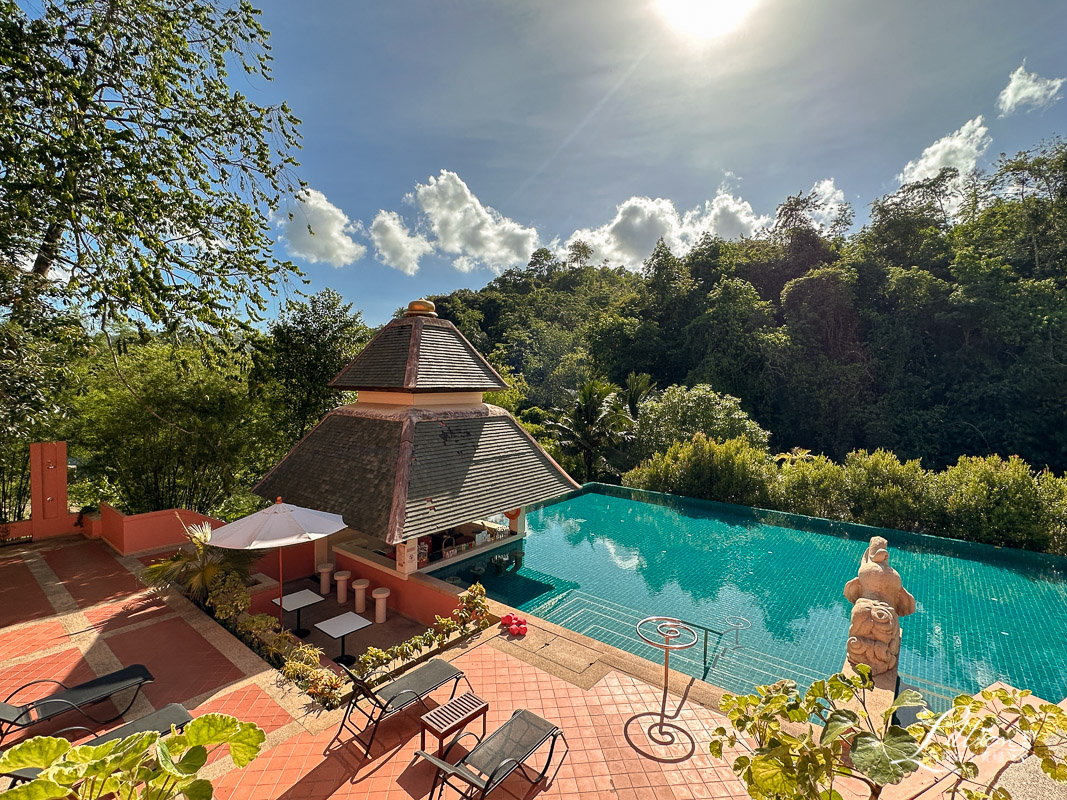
639	387
594	425
195	568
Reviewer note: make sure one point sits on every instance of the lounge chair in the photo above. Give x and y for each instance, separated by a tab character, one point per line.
496	756
161	721
72	698
410	688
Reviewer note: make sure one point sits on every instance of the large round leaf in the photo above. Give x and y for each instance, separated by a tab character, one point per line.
889	760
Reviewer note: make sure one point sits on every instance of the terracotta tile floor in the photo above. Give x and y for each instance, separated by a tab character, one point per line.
91	574
21	598
24	641
610	755
185	665
115	616
605	757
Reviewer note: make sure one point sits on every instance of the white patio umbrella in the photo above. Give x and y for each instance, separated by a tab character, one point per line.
279	525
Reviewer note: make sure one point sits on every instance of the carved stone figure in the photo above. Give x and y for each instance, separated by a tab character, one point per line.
878	600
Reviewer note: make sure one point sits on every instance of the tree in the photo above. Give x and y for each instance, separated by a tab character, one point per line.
593	425
578	253
179	433
307	347
639	388
679	413
131	172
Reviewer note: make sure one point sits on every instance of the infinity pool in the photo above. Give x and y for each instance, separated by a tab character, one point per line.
598	563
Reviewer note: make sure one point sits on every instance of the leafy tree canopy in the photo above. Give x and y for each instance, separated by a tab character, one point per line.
130	171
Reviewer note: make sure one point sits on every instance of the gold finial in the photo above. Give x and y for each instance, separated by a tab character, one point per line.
421	308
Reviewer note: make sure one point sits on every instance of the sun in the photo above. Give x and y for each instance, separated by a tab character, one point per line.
705	20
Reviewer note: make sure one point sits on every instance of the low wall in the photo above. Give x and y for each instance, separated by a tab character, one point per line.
419	597
156	529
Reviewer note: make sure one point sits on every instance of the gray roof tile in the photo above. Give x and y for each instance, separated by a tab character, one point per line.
419	354
400	472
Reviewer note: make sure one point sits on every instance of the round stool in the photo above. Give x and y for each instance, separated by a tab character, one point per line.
379	595
342	584
360	586
324	571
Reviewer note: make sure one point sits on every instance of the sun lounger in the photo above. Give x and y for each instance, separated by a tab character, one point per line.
160	721
72	698
410	688
495	757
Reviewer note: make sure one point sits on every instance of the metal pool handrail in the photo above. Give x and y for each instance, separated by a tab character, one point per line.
733	623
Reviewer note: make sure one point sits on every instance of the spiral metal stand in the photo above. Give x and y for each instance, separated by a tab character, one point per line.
674	742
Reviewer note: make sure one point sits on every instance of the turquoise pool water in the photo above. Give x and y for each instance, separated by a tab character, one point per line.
597	564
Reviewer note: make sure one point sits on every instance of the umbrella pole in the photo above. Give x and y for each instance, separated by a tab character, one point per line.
281	590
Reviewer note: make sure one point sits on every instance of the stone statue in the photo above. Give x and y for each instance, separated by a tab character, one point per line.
878	600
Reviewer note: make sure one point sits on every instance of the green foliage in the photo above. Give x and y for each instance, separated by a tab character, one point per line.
995	501
733	471
471	614
779	751
592	426
133	172
989	500
228	595
680	412
302	666
197	569
169	430
307	346
145	765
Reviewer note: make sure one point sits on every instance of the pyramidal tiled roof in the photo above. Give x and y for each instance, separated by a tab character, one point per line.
419	354
402	472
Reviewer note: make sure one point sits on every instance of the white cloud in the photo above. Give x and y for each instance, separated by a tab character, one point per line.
640	222
1028	90
476	234
960	149
832	200
330	238
396	246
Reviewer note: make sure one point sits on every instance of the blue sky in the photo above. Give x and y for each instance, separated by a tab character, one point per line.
444	140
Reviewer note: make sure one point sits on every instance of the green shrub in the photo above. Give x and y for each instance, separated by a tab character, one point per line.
228	596
884	492
734	471
814	487
995	501
989	500
1053	492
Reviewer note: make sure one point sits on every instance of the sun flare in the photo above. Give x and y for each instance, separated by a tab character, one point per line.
704	20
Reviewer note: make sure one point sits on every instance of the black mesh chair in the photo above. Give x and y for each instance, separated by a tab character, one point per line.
72	698
496	756
384	701
159	721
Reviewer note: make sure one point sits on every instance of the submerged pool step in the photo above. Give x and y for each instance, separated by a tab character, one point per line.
732	668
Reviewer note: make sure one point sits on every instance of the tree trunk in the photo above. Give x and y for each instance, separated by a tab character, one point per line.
46	256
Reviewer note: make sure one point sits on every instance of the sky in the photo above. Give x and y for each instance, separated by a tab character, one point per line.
444	141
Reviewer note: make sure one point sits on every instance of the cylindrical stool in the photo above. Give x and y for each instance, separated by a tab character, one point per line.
359	586
324	571
379	595
342	584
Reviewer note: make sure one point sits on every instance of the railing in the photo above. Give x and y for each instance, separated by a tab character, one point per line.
734	625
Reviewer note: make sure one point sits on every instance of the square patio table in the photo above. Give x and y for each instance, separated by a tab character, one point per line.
297	601
339	627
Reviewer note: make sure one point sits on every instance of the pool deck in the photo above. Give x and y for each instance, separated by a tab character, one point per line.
71	609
